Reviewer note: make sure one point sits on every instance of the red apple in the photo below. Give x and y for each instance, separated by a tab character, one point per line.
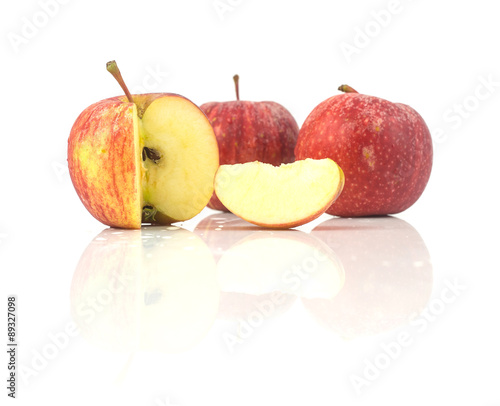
384	149
251	131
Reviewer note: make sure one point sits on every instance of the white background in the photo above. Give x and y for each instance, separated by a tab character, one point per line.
434	56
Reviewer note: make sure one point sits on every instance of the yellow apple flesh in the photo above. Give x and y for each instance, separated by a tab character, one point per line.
279	197
151	161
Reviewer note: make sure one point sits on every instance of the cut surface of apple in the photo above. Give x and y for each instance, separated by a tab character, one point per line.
279	197
178	158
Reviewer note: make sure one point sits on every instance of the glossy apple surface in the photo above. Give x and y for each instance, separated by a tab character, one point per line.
384	149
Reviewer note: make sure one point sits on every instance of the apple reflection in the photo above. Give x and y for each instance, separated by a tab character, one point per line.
388	275
222	230
261	270
153	289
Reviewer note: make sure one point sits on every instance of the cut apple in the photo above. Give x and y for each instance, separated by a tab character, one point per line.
147	158
279	197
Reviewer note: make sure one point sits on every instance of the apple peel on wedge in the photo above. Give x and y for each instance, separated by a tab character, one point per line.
285	196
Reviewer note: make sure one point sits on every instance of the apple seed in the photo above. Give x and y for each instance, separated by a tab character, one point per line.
151	153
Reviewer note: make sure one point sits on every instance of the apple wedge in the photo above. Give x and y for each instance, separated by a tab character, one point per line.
147	158
279	197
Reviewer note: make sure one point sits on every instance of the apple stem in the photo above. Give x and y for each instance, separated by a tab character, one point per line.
347	89
112	68
236	79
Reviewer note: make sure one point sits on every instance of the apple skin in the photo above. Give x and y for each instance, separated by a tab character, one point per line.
102	163
384	149
251	131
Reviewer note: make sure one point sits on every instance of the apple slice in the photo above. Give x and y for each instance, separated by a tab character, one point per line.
279	197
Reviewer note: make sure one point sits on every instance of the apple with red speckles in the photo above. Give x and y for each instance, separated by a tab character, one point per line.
384	149
251	131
